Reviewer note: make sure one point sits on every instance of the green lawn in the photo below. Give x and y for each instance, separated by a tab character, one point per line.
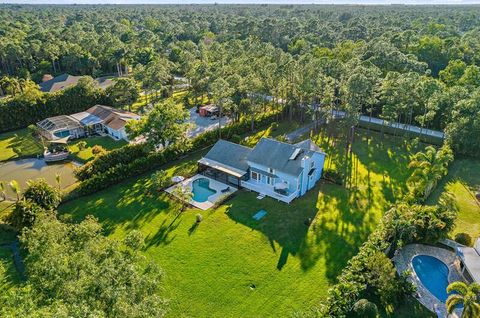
231	265
463	181
140	105
86	154
18	143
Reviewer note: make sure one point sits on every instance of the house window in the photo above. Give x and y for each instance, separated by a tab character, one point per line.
255	176
312	164
269	180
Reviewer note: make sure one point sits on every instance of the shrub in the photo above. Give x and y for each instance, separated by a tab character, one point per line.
160	180
198	218
463	238
282	138
333	176
82	145
98	150
236	138
365	309
25	213
41	193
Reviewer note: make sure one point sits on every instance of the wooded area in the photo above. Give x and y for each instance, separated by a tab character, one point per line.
415	65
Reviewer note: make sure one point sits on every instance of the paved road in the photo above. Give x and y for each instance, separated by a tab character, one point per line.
294	135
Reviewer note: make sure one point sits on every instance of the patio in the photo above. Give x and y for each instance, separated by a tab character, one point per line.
219	189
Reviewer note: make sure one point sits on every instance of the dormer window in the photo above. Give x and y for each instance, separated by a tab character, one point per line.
312	164
270	170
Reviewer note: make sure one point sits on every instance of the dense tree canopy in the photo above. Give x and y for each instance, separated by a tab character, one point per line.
75	271
401	63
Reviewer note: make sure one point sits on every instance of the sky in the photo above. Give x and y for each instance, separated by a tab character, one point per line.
371	2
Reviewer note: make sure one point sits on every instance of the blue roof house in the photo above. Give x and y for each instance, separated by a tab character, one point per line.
280	170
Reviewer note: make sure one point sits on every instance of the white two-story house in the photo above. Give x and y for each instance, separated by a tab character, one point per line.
272	168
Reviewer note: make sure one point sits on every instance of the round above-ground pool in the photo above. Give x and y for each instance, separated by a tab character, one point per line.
433	273
201	190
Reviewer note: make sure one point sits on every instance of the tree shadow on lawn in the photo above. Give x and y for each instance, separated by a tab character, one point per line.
338	225
464	171
162	237
23	145
129	206
387	158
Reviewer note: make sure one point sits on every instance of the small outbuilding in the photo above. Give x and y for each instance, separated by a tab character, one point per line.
208	110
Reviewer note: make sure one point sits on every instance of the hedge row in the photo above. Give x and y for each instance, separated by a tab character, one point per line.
132	160
129	153
21	111
120	172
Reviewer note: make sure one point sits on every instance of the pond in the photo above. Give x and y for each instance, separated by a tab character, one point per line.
23	170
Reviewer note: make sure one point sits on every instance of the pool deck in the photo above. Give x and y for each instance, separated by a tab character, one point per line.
214	185
403	261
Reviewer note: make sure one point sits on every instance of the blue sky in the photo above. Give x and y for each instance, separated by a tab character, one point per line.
247	1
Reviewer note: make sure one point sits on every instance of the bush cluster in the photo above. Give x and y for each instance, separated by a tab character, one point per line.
39	198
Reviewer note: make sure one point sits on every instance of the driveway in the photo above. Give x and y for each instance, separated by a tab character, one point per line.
203	124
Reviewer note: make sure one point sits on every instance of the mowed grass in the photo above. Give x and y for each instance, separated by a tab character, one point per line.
19	143
463	181
86	154
232	266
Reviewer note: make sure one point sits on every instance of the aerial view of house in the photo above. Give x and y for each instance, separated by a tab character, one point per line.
240	158
98	119
280	170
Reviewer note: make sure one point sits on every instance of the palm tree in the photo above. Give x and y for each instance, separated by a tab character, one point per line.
184	195
58	179
2	190
15	188
430	166
468	295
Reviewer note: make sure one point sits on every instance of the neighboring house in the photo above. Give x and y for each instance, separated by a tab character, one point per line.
60	82
96	120
273	168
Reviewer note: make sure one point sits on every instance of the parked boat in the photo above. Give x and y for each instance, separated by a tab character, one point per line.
57	150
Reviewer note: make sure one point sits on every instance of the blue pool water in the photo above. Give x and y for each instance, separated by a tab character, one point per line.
433	274
201	190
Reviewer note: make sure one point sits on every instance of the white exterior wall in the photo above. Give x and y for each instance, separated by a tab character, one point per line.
119	134
281	177
308	182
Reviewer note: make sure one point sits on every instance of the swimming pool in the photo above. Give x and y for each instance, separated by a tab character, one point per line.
433	274
201	190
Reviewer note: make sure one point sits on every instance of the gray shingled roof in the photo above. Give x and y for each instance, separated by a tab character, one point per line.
230	154
58	83
308	144
276	154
